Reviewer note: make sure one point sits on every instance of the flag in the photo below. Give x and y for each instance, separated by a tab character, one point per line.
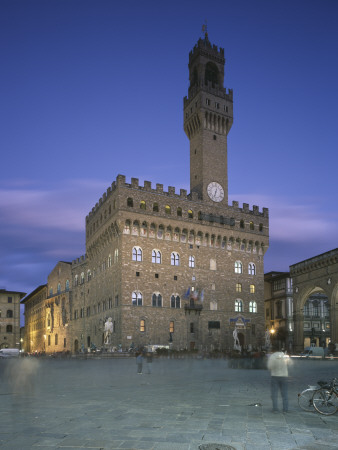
186	295
202	295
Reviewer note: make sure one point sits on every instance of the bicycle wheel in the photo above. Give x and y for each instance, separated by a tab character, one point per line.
305	399
325	402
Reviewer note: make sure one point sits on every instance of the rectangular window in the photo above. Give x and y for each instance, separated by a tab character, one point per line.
214	325
252	288
64	342
142	325
191	327
116	300
207	101
10	299
238	287
171	327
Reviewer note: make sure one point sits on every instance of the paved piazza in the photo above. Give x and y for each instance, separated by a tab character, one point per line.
181	405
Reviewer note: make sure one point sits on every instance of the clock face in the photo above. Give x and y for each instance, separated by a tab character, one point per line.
215	191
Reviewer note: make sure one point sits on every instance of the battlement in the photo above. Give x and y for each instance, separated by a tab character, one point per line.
205	46
171	193
79	261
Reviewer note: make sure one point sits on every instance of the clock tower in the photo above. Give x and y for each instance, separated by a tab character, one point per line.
208	116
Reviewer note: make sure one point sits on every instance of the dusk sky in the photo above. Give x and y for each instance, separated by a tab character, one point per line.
90	89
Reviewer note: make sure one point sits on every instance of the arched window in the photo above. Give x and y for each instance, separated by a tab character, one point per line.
252	269
252	289
82	277
67	285
59	288
190	214
179	212
116	255
175	301
9	313
175	259
56	339
89	275
252	226
137	254
142	325
211	74
238	305
156	257
109	261
130	202
136	298
241	224
157	300
253	307
167	209
238	287
155	207
143	205
9	329
191	261
260	227
238	267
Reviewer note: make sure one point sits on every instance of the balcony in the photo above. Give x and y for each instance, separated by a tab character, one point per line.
193	306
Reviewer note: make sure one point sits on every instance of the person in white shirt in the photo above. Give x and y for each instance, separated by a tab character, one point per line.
278	366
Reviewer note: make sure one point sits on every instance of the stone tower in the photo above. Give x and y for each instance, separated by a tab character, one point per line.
208	116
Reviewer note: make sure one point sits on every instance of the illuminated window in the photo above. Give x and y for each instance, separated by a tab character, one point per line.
252	269
175	259
253	307
238	267
137	254
192	261
156	257
252	289
238	287
142	325
171	327
167	209
190	214
252	226
137	298
238	305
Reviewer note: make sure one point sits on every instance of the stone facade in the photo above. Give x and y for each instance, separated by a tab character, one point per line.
10	318
317	275
172	268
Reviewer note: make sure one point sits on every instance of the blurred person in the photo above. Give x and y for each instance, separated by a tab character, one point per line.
278	367
139	362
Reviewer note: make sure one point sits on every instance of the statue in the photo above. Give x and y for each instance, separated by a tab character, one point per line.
237	345
108	329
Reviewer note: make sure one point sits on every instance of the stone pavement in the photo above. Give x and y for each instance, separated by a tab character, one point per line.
181	405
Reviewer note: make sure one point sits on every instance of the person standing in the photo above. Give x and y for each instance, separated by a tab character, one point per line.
278	367
139	362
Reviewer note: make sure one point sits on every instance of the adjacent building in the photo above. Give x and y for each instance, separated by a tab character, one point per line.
10	318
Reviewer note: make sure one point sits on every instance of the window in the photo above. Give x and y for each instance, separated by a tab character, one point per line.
155	207
190	214
137	254
157	300
9	313
156	257
253	307
143	205
175	301
171	326
238	306
167	209
76	280
130	202
49	339
67	285
142	325
252	289
116	255
9	329
213	265
238	267
192	261
59	288
50	291
252	269
56	339
179	212
241	224
191	327
82	277
10	299
175	259
260	227
137	298
252	226
238	287
109	261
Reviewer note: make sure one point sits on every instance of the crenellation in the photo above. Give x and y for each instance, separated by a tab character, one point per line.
147	185
171	190
135	183
183	193
159	188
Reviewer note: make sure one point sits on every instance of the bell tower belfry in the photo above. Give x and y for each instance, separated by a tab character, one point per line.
208	116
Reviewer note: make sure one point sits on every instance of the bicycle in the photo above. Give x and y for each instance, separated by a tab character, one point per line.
305	397
325	399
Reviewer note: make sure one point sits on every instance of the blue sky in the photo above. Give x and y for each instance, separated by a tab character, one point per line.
93	88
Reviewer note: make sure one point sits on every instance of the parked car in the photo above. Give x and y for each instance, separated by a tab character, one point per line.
9	352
